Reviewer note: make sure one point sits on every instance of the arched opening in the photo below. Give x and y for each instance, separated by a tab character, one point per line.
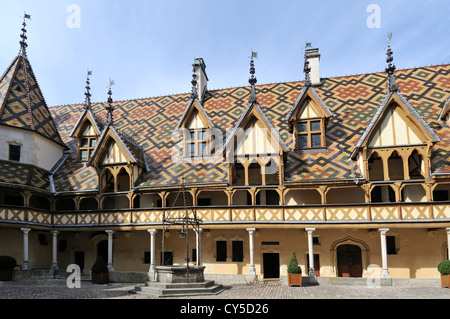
382	194
395	166
242	198
376	168
347	195
123	181
349	261
238	175
65	204
147	201
40	202
107	181
11	198
303	197
88	204
441	193
268	197
416	166
254	174
413	193
116	202
179	199
212	198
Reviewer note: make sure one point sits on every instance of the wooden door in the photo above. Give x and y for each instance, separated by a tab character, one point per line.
349	261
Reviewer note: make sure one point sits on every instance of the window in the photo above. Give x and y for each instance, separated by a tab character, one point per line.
238	251
168	258
87	142
14	153
390	245
310	134
197	144
221	251
87	147
146	257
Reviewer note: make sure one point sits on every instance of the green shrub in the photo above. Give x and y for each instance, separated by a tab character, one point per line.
99	266
444	267
7	263
293	267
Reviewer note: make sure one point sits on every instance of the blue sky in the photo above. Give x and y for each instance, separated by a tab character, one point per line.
148	47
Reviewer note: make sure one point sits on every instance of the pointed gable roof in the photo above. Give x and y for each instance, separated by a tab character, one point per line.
22	104
133	151
194	104
396	97
253	109
308	91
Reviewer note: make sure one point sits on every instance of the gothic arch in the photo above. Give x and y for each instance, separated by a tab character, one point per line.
349	240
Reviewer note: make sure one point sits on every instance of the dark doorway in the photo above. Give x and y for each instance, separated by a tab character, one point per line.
79	259
102	250
271	264
349	261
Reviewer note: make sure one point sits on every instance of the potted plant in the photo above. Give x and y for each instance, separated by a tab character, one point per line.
100	272
294	272
7	265
444	269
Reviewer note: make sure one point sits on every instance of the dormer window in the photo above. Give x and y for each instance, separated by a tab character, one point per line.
310	133
307	121
87	142
198	142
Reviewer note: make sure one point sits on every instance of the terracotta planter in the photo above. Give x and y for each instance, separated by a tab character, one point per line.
100	278
445	281
294	280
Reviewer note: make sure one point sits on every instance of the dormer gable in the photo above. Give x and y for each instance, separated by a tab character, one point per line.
87	132
396	123
308	119
253	134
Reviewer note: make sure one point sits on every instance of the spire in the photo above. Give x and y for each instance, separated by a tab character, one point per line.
87	104
253	79
194	94
392	85
110	107
23	42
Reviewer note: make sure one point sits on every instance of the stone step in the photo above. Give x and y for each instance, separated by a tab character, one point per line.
163	285
178	290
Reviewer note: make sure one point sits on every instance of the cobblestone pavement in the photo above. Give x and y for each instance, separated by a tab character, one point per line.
57	289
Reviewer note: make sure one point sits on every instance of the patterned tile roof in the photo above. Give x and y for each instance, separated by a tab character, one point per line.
22	104
21	174
353	101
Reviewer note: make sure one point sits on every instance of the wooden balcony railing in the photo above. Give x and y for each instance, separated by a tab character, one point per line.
352	213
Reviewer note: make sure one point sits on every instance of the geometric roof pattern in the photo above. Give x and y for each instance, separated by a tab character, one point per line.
353	100
22	104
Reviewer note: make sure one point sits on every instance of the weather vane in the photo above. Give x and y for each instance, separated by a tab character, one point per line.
389	35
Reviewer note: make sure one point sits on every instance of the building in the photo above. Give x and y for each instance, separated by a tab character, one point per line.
352	173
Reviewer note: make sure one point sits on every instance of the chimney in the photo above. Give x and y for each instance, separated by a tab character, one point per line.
313	57
202	78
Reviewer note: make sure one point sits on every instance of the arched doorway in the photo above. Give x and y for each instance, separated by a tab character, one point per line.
349	261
